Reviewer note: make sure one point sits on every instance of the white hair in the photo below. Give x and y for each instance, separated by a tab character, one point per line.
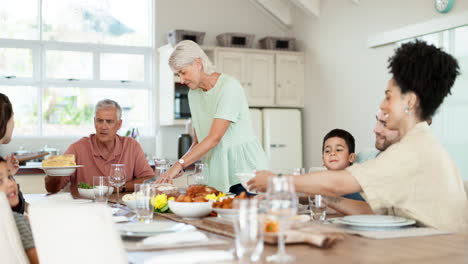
185	53
108	103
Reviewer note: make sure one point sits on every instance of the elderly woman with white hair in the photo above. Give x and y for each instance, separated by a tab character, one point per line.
224	135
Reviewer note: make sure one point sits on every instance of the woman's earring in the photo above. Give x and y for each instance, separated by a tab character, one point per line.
407	110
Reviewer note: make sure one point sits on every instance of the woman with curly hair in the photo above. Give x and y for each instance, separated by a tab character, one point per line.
415	177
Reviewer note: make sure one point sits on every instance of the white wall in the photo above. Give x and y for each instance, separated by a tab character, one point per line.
213	17
345	79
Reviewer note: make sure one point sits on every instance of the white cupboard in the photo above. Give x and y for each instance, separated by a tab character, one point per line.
270	78
289	80
255	72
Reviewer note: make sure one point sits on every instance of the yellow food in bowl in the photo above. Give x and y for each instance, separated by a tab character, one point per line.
60	161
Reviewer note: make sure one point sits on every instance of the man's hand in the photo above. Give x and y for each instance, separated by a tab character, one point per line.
260	181
12	163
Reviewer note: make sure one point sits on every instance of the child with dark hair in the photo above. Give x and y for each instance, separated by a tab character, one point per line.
338	153
10	188
338	149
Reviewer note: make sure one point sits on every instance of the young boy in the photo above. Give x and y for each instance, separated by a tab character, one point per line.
337	154
10	188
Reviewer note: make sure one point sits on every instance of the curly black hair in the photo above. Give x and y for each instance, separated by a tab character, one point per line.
6	110
340	133
425	70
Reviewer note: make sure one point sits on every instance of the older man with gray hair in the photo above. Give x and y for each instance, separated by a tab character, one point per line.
100	150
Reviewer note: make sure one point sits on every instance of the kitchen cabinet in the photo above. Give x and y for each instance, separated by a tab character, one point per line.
289	80
270	78
255	71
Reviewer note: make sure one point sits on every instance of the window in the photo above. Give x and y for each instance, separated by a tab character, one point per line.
448	123
84	51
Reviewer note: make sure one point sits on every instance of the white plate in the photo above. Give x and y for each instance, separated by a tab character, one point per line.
375	226
145	230
374	219
60	171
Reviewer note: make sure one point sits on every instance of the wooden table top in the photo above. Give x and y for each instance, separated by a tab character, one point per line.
452	248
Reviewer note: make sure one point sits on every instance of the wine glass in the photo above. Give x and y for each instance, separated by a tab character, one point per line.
117	178
281	205
199	175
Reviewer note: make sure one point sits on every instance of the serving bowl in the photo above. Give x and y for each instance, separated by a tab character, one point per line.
60	171
130	204
227	213
89	193
190	210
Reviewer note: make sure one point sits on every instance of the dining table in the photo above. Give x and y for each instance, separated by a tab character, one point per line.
441	248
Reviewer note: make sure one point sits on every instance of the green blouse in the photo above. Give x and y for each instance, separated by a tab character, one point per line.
239	150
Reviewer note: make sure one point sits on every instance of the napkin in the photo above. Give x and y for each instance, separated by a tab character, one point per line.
203	256
322	240
118	219
175	238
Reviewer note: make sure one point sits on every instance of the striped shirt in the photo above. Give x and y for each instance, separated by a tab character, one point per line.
24	229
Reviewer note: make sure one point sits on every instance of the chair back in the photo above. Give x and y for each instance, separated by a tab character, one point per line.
11	248
67	232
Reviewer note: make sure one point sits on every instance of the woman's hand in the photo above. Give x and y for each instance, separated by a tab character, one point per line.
13	164
169	175
260	181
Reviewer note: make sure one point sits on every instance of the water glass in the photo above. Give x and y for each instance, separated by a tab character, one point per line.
248	230
144	207
318	208
101	189
199	176
298	171
161	165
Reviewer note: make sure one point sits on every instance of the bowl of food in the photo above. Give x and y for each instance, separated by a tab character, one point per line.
130	200
168	189
86	191
190	210
60	165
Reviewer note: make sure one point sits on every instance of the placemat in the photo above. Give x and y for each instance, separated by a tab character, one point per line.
376	234
205	224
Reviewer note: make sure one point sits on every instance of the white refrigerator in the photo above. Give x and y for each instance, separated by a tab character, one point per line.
280	132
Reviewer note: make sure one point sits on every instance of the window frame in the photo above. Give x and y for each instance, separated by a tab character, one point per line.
39	80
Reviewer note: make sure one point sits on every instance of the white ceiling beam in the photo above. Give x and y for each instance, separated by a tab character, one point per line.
310	7
278	10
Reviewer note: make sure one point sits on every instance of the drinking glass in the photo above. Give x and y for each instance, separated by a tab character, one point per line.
101	189
298	171
144	207
161	165
199	175
318	208
281	205
117	178
248	229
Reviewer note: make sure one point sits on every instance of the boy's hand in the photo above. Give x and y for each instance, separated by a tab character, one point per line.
260	181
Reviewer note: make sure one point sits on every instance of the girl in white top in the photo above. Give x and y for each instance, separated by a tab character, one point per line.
416	177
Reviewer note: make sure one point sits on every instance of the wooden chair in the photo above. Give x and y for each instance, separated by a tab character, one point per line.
11	248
